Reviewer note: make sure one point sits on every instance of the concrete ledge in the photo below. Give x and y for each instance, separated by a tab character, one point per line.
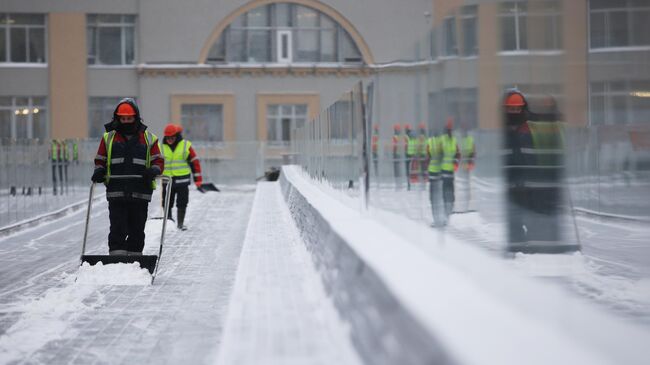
414	295
382	329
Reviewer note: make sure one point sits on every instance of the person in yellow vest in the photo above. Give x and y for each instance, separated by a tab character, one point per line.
468	156
422	151
449	165
180	161
54	158
410	153
395	145
127	162
434	152
66	161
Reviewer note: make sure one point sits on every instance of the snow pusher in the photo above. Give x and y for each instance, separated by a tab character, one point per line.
149	262
208	187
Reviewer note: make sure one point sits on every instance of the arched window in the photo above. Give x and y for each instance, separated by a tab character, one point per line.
284	33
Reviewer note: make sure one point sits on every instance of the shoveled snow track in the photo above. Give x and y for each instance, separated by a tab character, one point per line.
279	312
46	317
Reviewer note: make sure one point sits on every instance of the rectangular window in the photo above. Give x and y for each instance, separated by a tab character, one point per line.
202	122
111	39
23	117
620	102
470	29
100	112
542	18
451	45
282	119
22	38
623	23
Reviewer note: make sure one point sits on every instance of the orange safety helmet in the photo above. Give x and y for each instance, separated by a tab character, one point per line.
422	126
171	130
407	127
179	128
125	109
450	123
397	127
514	98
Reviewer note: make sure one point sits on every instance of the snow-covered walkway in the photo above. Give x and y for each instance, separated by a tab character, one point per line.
279	312
48	318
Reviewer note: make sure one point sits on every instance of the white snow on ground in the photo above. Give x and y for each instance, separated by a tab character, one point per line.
111	314
482	310
45	319
113	274
279	312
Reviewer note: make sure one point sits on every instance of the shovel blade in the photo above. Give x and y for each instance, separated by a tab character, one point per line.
209	187
146	261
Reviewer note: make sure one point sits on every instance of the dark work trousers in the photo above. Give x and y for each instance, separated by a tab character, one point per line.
448	192
54	164
408	161
128	219
435	199
180	193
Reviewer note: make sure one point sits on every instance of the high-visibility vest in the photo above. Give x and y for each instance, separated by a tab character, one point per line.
54	149
422	145
108	141
411	146
449	148
434	155
176	160
467	146
375	144
548	142
66	153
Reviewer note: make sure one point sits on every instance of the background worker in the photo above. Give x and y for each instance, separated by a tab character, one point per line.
395	144
374	145
127	148
54	159
180	161
449	165
433	170
422	151
410	153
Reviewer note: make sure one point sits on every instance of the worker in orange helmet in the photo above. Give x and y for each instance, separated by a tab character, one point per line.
180	161
395	143
410	154
422	150
449	165
127	149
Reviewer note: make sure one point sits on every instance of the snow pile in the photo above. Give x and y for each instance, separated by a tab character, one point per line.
113	274
46	319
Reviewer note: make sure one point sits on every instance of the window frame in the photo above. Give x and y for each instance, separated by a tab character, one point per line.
222	118
32	108
628	10
7	26
278	126
123	24
221	50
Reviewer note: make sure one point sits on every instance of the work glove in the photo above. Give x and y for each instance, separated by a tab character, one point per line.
199	187
149	174
99	175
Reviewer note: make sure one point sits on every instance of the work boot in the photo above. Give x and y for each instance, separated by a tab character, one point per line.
181	217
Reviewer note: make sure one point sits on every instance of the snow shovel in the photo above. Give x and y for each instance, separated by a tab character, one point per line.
208	187
149	262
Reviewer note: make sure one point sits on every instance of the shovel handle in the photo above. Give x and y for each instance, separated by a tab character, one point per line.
90	203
